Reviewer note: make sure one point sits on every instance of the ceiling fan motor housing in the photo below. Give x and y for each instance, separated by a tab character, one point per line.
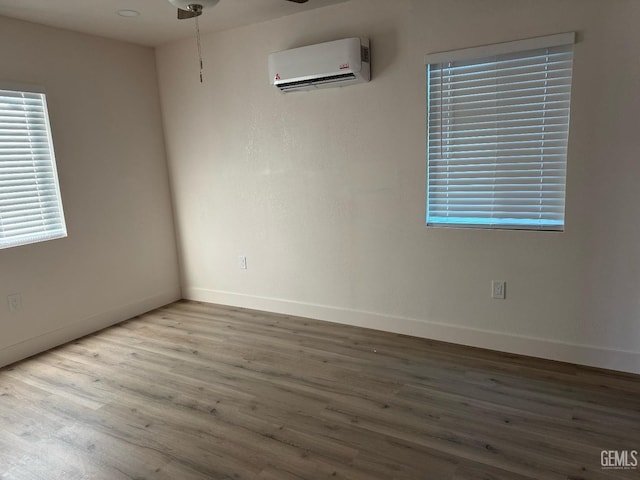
185	4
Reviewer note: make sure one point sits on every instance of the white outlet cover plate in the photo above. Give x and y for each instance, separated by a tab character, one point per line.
15	302
498	289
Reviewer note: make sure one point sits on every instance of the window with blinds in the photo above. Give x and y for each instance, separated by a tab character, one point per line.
30	203
498	127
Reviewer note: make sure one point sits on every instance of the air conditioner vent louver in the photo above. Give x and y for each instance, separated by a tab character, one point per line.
317	82
329	64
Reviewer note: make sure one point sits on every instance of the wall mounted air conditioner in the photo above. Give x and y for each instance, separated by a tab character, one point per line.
330	64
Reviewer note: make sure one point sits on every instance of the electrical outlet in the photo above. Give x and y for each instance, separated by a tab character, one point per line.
242	262
498	289
15	302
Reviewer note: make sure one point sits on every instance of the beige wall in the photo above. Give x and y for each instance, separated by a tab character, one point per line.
324	191
119	258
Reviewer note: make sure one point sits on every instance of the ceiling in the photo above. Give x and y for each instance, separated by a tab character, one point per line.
157	23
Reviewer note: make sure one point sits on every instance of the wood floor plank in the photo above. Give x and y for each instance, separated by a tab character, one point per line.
196	391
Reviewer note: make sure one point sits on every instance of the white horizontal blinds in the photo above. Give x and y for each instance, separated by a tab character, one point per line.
30	205
498	131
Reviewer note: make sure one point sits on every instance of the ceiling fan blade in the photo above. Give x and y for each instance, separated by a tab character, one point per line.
298	1
182	14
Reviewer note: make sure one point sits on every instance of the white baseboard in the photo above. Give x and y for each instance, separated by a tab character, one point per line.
621	360
80	328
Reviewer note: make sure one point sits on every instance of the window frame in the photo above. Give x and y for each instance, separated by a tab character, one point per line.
480	53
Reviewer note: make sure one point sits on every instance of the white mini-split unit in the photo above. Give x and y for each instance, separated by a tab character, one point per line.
330	64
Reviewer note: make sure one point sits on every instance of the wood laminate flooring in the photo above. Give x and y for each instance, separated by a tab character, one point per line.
196	391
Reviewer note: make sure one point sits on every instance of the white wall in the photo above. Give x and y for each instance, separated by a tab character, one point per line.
119	259
324	191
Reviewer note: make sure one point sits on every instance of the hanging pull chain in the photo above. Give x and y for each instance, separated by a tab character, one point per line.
199	47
